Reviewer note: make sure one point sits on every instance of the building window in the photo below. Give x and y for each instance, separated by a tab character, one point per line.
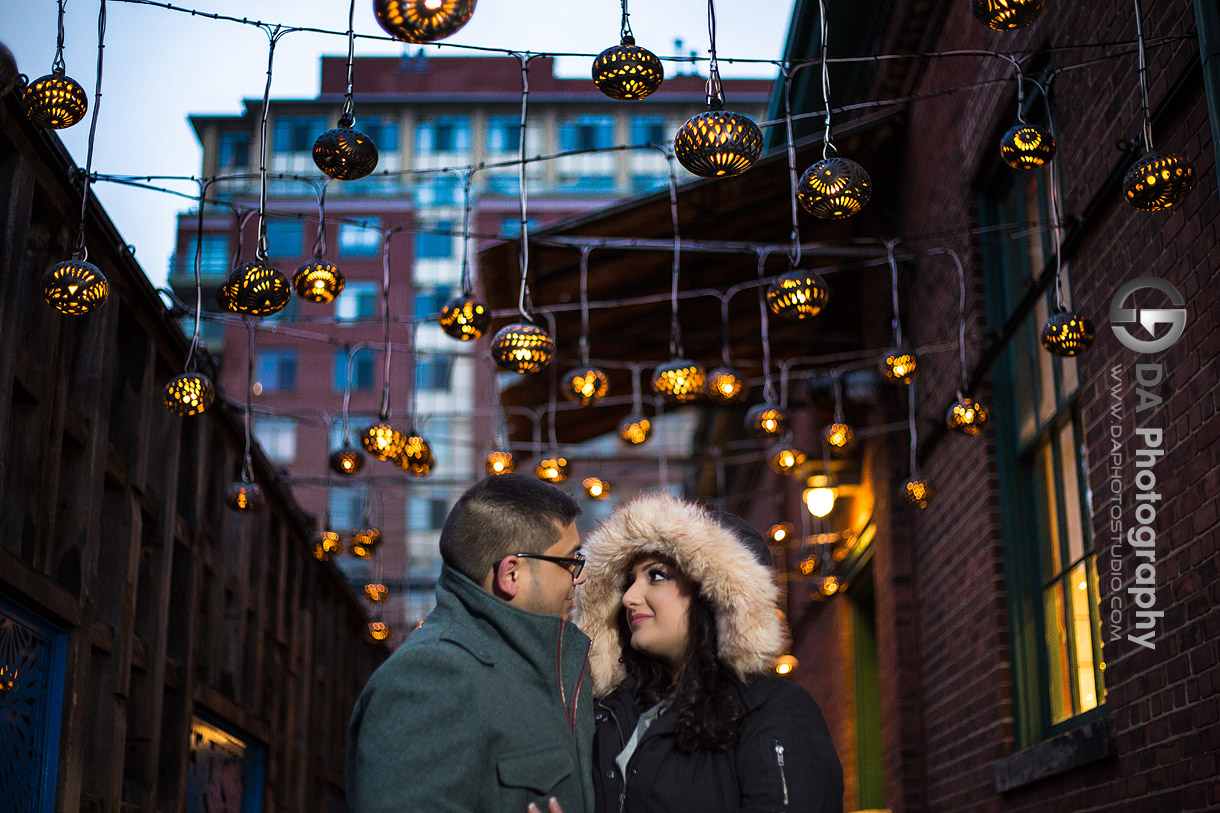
649	130
284	237
233	150
224	771
503	134
511	226
426	513
360	300
360	239
430	300
434	371
1050	561
443	134
382	129
297	133
346	504
586	133
435	241
441	189
276	371
362	369
277	436
214	259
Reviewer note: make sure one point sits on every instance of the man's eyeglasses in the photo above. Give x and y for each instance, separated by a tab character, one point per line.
574	564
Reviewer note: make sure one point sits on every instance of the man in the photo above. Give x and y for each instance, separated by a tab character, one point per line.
486	706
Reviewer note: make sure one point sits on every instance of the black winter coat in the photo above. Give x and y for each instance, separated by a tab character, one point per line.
784	759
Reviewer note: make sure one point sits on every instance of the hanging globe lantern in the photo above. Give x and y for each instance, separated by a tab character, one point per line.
634	430
839	438
374	593
627	71
499	462
1067	334
596	488
377	632
189	394
917	492
798	295
75	287
318	281
1005	15
780	533
825	586
967	416
360	551
422	21
244	497
899	366
786	665
1027	147
326	544
257	289
416	457
718	144
464	318
834	189
680	380
345	154
785	458
585	386
767	420
55	101
224	297
383	441
726	386
1158	181
368	537
9	74
522	348
553	469
347	461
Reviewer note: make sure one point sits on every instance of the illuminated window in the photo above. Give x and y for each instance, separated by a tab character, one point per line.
360	239
275	371
361	299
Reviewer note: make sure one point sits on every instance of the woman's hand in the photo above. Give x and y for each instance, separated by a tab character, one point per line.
552	807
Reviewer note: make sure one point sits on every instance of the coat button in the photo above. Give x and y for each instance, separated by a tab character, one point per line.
600	717
610	774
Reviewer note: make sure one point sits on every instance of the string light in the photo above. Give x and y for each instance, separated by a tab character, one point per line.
626	71
244	497
900	365
55	101
464	318
383	441
344	153
522	348
1158	181
585	386
326	544
780	533
1027	146
839	438
767	420
834	188
318	281
726	386
917	492
416	457
1005	15
499	461
635	429
784	458
786	665
374	593
347	461
596	488
679	380
367	537
257	289
419	21
75	287
967	416
553	469
798	295
189	394
377	632
1067	334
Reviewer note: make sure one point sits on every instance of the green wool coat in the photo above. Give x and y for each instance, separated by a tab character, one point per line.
484	709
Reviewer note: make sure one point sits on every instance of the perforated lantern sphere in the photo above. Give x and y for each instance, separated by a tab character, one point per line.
499	462
464	318
383	441
726	386
627	71
318	281
784	458
224	296
75	287
368	537
596	488
326	544
634	429
967	416
917	492
345	154
1067	334
422	20
522	348
55	101
900	366
416	457
9	74
377	632
1027	147
374	593
189	394
839	438
680	380
360	551
1158	181
780	533
585	386
244	497
257	289
718	144
767	420
834	189
1005	15
553	469
346	461
797	295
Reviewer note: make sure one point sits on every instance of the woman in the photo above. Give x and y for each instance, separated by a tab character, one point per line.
682	614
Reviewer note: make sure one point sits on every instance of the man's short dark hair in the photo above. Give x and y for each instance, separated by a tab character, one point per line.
500	515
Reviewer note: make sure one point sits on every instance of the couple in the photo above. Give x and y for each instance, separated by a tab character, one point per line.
662	699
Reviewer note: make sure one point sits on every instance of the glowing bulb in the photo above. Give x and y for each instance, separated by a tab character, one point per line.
820	500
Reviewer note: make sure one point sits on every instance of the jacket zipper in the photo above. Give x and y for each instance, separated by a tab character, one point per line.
779	758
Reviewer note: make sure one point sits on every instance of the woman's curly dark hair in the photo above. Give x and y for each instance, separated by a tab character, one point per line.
707	696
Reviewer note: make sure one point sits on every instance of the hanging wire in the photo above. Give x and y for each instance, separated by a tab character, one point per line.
724	334
838	379
584	300
961	313
1143	75
319	243
1016	64
247	466
273	37
347	396
413	377
714	89
347	116
467	176
637	398
675	330
385	320
897	322
58	67
198	267
794	252
1055	197
914	466
524	59
768	386
625	29
81	252
827	146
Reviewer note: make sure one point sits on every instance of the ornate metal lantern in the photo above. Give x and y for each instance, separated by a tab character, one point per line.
680	380
839	438
596	488
257	289
522	348
1158	181
785	458
780	533
377	632
585	386
374	593
244	497
383	441
55	101
834	188
798	295
75	287
1027	147
189	394
1005	15
767	420
726	386
422	20
900	366
9	74
499	461
553	469
627	71
343	153
634	429
967	416
917	492
347	461
718	143
416	457
1067	334
326	544
464	318
224	296
318	281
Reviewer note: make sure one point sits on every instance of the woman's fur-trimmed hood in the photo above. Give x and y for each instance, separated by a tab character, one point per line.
740	588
